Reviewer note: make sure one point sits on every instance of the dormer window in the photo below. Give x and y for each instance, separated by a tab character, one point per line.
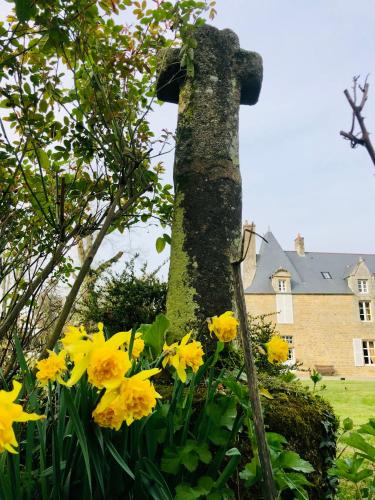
282	286
326	275
362	286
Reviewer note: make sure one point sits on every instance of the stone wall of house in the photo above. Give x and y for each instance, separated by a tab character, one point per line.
323	329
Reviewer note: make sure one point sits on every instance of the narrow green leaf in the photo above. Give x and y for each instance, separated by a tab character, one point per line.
81	436
116	455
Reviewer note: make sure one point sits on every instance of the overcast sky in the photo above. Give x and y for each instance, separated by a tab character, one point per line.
298	174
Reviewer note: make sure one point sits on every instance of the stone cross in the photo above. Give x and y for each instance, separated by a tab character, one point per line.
206	230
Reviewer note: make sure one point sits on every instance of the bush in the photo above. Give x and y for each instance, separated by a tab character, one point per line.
123	301
309	424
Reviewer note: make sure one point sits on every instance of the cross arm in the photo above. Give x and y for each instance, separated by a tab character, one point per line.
250	74
170	75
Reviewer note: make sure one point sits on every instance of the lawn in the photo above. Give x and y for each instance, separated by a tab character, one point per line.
349	398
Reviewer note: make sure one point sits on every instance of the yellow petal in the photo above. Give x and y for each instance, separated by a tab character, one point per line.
10	448
117	340
98	338
78	370
145	374
181	373
7	397
107	398
25	417
185	339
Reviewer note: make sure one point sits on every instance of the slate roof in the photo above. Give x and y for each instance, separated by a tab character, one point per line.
305	270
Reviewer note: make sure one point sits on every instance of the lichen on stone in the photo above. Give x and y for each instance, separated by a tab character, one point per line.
181	306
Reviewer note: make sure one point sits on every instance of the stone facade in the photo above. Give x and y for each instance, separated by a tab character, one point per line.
329	322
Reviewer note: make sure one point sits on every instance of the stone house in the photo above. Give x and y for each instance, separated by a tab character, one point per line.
323	304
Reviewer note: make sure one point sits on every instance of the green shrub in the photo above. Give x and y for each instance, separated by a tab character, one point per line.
356	469
123	301
309	424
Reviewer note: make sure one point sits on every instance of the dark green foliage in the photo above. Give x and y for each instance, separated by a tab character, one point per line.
309	424
356	468
123	301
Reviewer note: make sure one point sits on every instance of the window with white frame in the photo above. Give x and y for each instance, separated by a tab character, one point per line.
365	310
291	354
282	285
368	347
362	286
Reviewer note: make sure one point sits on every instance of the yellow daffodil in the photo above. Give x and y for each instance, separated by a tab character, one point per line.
277	350
133	399
74	338
138	343
11	412
105	364
109	413
183	355
51	368
224	326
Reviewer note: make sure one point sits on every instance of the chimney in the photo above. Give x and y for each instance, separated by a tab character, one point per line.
299	245
249	264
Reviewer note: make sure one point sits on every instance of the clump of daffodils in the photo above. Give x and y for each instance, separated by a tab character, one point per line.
11	412
277	350
225	326
110	366
183	355
107	363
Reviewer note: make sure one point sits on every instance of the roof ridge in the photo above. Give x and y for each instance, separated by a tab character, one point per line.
333	253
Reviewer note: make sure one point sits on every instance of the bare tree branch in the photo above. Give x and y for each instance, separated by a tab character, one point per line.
362	138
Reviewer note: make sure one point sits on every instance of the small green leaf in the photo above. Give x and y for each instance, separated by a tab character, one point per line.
190	460
204	453
154	334
43	106
43	158
291	460
347	424
167	238
160	244
186	492
233	452
264	392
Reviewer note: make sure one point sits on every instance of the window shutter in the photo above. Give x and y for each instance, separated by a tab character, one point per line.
284	308
358	352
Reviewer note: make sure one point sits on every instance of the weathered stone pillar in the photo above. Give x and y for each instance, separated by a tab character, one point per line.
206	228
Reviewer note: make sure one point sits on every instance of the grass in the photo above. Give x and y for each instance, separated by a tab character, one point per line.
349	398
354	399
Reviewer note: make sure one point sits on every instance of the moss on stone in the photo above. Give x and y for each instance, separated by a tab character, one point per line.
309	424
181	304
